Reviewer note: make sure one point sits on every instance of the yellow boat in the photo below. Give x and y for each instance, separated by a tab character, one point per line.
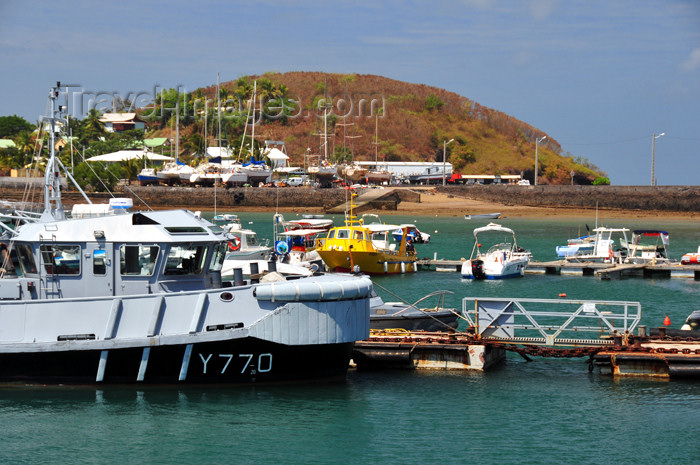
366	248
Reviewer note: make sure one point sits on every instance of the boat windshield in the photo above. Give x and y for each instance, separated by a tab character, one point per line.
251	239
217	261
138	260
26	258
504	246
185	259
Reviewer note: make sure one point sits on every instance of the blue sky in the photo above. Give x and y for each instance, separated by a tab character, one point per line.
600	77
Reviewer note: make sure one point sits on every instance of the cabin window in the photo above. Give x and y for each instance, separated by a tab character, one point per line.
185	230
186	259
217	260
331	234
26	258
359	236
9	262
343	234
138	260
251	240
99	262
61	259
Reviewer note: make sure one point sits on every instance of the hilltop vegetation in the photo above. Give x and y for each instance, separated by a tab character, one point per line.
366	117
412	122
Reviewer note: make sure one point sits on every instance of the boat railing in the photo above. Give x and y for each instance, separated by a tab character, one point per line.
550	321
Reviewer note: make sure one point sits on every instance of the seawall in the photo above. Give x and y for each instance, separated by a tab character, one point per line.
647	198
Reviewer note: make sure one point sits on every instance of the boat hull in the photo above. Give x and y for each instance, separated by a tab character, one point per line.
372	263
147	180
488	269
232	361
442	321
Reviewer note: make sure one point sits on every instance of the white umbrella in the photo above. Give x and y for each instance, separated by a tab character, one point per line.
129	155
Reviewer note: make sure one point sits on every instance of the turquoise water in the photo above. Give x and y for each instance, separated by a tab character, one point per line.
544	411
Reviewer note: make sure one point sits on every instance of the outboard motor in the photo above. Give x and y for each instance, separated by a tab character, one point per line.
478	269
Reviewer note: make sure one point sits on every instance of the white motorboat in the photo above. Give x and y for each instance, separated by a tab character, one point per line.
413	234
244	244
577	245
502	260
648	245
604	249
137	297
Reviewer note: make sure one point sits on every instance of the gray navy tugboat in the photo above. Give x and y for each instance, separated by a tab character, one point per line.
114	296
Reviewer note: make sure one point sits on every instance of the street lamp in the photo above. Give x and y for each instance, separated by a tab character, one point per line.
653	143
444	152
537	143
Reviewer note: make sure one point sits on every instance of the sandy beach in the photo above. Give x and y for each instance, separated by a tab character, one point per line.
439	204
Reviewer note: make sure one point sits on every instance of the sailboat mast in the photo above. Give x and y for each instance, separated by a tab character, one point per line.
252	132
376	137
206	119
325	120
218	106
177	128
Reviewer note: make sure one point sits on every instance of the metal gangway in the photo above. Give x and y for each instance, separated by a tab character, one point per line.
551	322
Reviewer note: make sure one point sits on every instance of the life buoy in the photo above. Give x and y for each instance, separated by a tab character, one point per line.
281	247
234	244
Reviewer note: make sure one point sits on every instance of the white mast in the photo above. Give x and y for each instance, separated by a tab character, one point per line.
177	128
53	208
218	106
252	136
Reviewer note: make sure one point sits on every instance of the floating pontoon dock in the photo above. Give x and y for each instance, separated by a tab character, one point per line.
599	330
599	270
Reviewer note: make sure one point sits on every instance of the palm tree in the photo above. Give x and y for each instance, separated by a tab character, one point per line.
93	128
24	141
132	168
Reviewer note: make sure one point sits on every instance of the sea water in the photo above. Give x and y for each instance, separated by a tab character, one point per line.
538	412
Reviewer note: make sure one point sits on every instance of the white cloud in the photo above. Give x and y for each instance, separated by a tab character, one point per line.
693	61
541	9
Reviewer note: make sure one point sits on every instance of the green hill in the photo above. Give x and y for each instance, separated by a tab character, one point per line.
412	122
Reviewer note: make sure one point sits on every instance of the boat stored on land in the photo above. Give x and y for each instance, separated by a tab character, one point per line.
138	298
500	261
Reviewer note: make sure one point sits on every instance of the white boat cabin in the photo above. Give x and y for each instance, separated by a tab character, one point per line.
123	254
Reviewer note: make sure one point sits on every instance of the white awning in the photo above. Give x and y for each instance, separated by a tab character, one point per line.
130	155
493	227
302	232
276	154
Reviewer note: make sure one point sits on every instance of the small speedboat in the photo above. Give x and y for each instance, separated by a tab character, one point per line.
691	258
502	260
578	245
692	323
483	216
398	315
413	234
